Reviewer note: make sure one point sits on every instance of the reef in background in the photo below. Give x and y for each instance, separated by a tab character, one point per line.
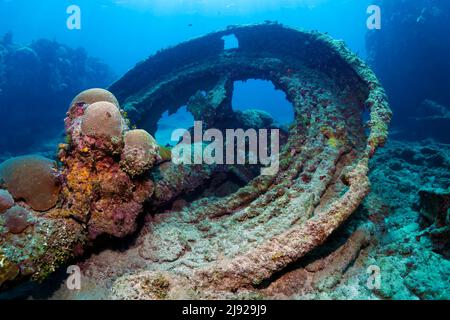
410	56
37	83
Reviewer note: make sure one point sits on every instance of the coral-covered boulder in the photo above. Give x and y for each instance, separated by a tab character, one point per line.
140	152
33	179
94	95
102	119
6	201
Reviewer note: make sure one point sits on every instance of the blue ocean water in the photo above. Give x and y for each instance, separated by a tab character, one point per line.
122	33
38	79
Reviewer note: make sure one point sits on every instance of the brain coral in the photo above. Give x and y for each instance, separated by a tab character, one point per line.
31	178
140	153
102	119
6	201
92	96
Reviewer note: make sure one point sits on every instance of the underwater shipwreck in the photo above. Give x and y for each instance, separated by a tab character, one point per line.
203	231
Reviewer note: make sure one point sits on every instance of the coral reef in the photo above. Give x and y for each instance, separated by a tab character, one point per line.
38	81
213	246
88	196
98	191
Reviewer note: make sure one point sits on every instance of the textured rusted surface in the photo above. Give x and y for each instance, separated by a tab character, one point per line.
224	245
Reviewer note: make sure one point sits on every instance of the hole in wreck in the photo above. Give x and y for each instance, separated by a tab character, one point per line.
260	105
262	95
230	42
181	119
218	185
